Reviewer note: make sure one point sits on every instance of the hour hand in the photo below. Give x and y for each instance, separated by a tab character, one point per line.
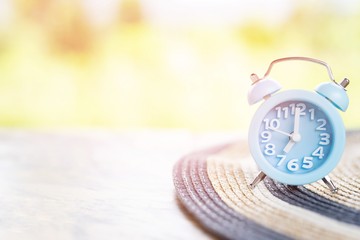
290	143
289	146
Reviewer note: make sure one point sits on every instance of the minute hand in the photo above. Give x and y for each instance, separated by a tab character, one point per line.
297	121
295	136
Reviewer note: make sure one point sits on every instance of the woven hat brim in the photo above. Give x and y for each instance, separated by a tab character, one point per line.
214	186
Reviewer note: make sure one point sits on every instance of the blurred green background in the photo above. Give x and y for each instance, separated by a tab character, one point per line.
129	64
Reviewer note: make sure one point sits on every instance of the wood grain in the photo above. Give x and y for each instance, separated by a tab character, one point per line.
95	184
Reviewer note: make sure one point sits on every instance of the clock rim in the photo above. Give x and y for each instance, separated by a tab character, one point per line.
338	140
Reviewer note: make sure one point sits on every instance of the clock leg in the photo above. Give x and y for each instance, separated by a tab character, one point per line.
330	184
258	179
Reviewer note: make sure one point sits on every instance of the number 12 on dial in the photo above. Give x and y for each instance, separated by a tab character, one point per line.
294	137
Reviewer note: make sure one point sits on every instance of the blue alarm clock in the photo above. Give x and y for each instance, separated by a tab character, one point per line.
297	137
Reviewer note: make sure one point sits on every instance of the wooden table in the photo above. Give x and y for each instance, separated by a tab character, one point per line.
95	184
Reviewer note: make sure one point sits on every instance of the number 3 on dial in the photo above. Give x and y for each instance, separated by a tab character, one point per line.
293	135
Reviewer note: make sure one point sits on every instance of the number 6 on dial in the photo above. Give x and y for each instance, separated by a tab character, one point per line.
296	136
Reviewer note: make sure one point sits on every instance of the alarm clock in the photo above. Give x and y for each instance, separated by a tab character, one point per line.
297	137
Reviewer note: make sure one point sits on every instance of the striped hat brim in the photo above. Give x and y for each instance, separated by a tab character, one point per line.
213	185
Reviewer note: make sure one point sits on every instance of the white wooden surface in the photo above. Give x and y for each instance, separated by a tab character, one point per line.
95	184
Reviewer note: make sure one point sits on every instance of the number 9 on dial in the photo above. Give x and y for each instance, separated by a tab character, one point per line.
297	137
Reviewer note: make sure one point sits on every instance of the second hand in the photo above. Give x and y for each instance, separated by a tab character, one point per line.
279	131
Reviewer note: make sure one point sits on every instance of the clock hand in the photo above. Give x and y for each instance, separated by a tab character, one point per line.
279	131
296	121
295	136
288	146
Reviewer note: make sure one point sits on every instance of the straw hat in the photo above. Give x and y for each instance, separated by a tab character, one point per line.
213	185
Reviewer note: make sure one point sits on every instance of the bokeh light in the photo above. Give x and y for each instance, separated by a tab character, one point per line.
129	64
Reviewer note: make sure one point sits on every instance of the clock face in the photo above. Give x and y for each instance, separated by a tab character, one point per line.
296	137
